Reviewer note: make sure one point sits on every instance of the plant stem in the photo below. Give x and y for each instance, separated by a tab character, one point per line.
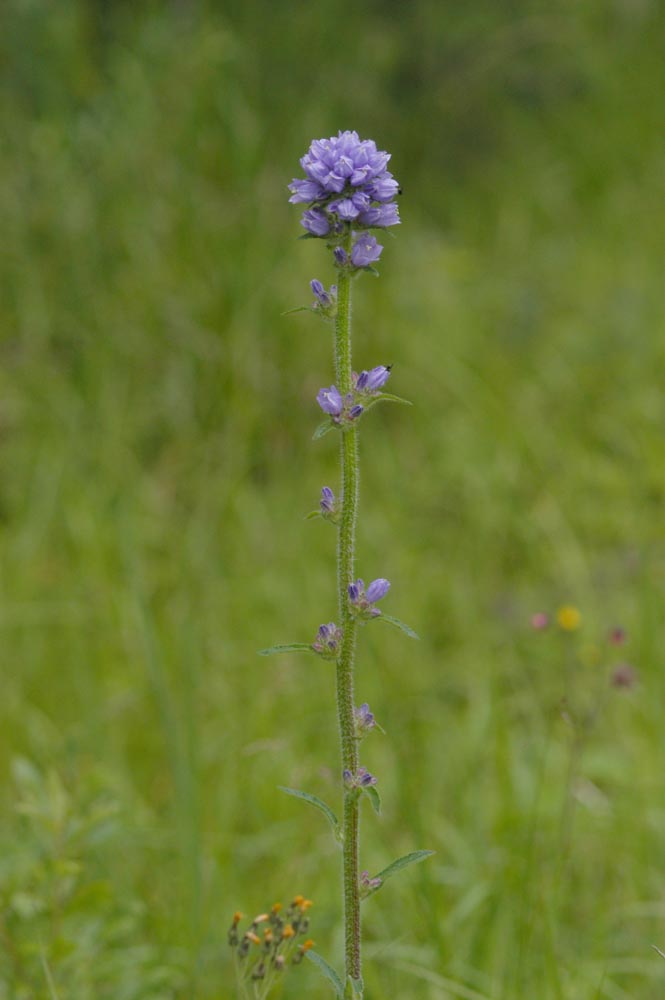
345	663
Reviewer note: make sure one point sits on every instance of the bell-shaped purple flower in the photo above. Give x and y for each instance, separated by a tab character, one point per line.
315	222
327	502
330	400
377	589
380	215
365	251
373	380
305	191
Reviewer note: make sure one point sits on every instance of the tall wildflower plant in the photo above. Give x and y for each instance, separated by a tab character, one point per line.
348	191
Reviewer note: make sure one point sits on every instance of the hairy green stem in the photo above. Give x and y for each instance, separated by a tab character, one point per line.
345	663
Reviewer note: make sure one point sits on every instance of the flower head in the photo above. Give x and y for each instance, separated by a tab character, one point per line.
346	184
363	720
327	641
540	620
361	779
362	600
367	884
568	618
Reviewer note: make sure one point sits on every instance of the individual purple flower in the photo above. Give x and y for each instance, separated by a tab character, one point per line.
373	380
315	222
383	188
330	400
327	502
363	600
305	191
355	411
340	255
363	720
327	641
540	621
365	251
321	295
380	215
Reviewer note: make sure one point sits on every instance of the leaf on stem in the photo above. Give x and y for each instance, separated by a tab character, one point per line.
372	794
322	429
327	972
319	804
390	397
354	989
289	647
296	309
312	514
397	866
397	624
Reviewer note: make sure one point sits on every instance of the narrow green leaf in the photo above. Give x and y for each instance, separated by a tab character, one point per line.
319	804
327	972
372	794
390	397
289	647
322	429
49	979
296	309
312	514
397	624
403	862
308	236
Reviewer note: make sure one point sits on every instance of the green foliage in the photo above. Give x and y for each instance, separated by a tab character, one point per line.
155	416
63	927
327	972
318	804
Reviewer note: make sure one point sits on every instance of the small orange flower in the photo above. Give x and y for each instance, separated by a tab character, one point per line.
307	945
305	905
276	907
288	931
237	917
251	936
298	900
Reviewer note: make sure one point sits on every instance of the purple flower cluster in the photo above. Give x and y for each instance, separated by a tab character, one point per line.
367	883
361	779
348	408
327	642
346	185
363	600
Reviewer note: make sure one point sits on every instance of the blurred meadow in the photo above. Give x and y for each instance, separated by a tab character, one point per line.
156	413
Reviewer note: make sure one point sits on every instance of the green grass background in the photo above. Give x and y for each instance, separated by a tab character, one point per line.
156	412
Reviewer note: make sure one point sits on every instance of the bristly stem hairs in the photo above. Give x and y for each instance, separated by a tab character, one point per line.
348	191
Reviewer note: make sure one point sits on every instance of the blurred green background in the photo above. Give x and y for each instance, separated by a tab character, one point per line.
156	412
